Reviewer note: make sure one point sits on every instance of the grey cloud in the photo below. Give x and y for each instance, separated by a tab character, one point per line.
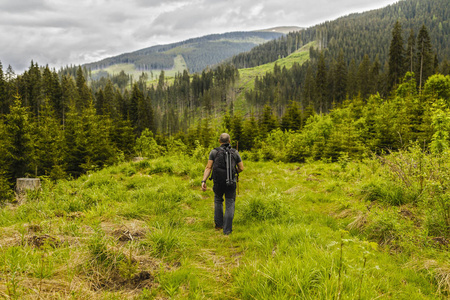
60	32
159	3
23	6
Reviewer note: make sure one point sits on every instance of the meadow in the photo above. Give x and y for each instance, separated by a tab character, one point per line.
144	230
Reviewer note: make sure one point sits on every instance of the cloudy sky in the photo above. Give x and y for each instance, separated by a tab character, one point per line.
61	32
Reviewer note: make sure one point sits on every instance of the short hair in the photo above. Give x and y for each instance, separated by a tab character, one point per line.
224	138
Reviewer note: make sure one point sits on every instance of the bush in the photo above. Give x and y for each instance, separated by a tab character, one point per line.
388	193
261	208
146	145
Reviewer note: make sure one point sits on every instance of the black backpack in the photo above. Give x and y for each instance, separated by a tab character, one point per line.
224	166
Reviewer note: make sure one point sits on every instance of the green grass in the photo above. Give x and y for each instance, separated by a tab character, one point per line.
145	230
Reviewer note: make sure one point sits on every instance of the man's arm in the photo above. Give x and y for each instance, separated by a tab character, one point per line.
240	167
208	170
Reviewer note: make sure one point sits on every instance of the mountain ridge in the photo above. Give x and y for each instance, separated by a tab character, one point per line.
198	52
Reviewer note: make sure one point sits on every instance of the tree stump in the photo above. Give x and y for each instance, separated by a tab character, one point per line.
26	184
138	159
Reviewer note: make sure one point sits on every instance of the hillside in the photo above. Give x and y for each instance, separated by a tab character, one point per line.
198	53
362	33
145	231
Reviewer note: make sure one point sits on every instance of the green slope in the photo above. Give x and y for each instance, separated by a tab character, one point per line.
247	76
145	230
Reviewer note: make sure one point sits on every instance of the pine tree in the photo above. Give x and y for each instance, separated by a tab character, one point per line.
309	89
84	93
396	57
352	82
363	77
236	127
136	100
321	84
49	145
424	56
74	137
267	122
340	78
5	179
20	146
292	119
374	77
51	90
249	134
3	94
69	96
411	52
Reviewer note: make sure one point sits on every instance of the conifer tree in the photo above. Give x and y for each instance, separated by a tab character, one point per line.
50	146
352	82
111	106
309	88
51	90
100	102
424	56
88	139
69	96
410	53
3	94
340	78
5	179
396	57
136	100
292	119
321	84
267	122
74	137
20	146
374	77
236	127
249	133
84	93
29	87
364	77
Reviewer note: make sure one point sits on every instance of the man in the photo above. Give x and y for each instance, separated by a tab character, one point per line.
220	187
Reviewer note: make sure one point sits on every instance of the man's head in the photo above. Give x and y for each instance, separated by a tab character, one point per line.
224	138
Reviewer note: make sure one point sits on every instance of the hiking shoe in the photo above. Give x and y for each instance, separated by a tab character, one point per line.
218	228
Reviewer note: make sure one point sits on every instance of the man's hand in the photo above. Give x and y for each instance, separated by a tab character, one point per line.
206	174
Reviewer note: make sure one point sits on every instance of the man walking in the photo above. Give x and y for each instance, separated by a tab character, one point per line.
224	162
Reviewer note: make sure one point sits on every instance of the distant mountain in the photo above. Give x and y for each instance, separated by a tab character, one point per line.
197	53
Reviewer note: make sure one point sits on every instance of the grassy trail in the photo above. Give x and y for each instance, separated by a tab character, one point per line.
145	230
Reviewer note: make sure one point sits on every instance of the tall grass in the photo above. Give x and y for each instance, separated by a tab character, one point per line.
145	230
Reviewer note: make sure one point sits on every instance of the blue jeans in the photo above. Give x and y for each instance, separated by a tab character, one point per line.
221	220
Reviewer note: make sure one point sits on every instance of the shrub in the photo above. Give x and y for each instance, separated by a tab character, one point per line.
146	145
260	208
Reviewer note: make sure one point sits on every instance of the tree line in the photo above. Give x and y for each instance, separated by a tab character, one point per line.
58	125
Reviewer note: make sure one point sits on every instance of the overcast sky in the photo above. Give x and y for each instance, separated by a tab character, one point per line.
62	32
